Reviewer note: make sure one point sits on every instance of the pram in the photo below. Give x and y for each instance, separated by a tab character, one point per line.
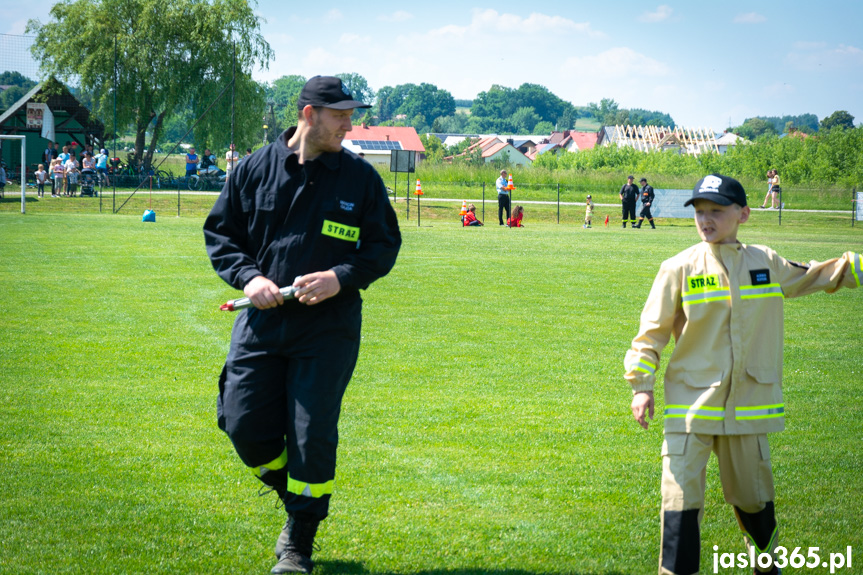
88	183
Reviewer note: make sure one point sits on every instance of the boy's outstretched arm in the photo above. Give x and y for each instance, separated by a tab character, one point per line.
642	402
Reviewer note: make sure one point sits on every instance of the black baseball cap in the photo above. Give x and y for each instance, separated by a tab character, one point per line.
644	180
719	189
328	92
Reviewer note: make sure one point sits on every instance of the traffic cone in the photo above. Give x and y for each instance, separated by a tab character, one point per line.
606	221
419	191
463	208
509	185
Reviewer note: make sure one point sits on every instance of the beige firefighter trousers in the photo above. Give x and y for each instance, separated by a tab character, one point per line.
744	470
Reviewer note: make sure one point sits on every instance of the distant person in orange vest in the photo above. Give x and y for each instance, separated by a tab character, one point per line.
470	217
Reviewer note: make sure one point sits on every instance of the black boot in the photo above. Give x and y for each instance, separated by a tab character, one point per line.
638	225
652	225
294	547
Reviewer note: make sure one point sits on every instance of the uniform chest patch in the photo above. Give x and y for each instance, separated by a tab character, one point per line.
340	231
346	206
702	282
760	277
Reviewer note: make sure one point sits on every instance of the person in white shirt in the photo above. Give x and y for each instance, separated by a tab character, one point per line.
232	156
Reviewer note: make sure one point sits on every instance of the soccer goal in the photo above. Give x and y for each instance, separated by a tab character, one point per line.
23	169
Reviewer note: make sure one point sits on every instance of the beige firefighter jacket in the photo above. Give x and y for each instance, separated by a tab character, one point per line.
723	305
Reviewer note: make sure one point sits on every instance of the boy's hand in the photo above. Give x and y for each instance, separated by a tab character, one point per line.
642	402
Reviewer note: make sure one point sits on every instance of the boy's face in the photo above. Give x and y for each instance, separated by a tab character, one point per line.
717	224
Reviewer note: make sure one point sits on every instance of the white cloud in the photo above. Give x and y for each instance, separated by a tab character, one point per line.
334	14
397	16
815	57
750	18
616	63
661	14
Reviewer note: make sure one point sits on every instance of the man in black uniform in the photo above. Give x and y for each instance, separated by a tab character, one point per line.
629	195
647	196
304	212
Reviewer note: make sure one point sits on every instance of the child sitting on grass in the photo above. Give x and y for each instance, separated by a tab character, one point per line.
723	303
517	216
470	217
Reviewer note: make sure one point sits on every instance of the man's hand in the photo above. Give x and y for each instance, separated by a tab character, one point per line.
642	402
315	288
263	293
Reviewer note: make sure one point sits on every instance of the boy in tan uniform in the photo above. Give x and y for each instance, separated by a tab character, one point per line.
720	397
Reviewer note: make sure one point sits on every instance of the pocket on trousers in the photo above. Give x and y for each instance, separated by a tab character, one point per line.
764	447
674	443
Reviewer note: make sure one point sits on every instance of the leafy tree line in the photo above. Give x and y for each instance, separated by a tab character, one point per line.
832	157
608	113
18	84
752	128
173	57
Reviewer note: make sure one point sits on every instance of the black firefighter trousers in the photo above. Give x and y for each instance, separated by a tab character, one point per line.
280	395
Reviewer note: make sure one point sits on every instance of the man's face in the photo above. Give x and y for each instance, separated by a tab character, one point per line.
328	129
717	224
629	180
207	152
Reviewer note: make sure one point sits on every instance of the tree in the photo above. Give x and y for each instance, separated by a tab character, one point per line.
285	92
434	148
524	119
752	128
428	101
18	84
170	53
838	119
360	91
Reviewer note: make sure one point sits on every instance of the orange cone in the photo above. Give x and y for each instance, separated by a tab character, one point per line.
509	185
419	191
606	221
463	208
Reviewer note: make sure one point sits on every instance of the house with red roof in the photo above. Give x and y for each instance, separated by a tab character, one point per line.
573	141
493	148
376	143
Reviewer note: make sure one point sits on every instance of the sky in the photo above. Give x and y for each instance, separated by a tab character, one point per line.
709	65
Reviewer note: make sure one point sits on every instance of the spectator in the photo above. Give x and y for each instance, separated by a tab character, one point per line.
2	177
588	211
470	217
191	162
41	177
102	165
72	174
517	216
71	166
59	174
48	154
208	162
232	156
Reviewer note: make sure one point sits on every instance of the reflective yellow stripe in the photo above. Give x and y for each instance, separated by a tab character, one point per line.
643	366
760	412
340	231
695	412
276	463
310	489
755	292
855	268
690	298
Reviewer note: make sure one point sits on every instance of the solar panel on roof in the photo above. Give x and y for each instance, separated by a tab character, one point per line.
378	144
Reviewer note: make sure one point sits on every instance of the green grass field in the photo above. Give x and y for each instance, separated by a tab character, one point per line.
486	430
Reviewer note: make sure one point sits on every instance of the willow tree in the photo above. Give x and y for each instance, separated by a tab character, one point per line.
169	54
